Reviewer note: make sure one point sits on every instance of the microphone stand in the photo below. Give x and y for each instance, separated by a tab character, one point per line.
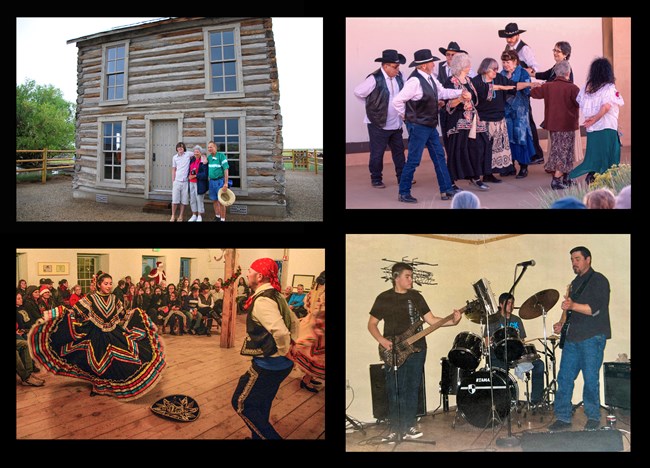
510	440
396	424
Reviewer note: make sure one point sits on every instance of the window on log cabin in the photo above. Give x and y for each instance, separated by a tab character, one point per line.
227	137
223	67
115	70
112	150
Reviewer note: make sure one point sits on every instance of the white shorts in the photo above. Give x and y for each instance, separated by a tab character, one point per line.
180	193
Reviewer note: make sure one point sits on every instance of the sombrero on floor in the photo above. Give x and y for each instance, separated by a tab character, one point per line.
177	407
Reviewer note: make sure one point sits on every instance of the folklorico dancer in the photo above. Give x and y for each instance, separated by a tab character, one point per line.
119	353
270	325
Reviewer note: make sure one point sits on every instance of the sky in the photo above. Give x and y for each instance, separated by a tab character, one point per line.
43	56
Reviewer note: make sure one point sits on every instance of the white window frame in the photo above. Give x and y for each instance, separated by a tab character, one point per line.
241	115
102	95
101	182
238	63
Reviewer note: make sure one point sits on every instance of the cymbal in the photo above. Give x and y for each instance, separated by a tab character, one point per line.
475	313
532	308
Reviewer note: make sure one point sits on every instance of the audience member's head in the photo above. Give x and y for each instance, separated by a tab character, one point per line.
45	292
465	200
568	203
76	289
300	288
601	199
288	291
624	198
33	293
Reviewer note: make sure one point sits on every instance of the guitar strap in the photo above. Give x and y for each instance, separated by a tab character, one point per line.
584	285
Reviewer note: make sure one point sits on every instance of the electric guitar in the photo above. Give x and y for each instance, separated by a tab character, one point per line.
565	326
403	343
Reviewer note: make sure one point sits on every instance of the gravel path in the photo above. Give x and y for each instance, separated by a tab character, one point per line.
53	201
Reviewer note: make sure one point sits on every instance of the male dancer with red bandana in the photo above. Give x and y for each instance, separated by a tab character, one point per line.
269	327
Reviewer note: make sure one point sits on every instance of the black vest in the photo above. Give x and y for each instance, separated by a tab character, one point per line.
259	341
425	111
377	101
442	74
518	49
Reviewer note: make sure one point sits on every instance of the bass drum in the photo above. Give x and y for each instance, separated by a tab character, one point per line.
473	398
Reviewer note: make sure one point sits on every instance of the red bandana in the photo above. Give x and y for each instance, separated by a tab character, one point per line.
269	269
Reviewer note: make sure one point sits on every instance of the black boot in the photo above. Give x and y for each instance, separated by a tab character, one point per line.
209	325
567	181
523	171
556	184
590	178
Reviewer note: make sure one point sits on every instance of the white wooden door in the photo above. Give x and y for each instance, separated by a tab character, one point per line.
164	136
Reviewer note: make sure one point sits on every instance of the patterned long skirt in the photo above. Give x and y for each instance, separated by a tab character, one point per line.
125	362
308	352
562	152
498	134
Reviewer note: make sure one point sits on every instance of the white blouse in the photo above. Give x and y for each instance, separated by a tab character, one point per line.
590	105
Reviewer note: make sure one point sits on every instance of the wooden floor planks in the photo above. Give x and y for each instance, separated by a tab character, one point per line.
196	366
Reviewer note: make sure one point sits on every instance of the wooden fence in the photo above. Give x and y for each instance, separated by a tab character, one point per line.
43	160
304	158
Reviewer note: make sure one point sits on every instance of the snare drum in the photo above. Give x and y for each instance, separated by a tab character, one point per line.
507	336
530	354
466	351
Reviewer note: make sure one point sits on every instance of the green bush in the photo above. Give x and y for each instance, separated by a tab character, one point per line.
615	178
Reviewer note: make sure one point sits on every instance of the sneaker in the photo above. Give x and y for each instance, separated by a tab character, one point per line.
559	425
378	184
217	219
412	433
592	425
32	381
199	219
492	179
390	438
171	219
223	220
192	219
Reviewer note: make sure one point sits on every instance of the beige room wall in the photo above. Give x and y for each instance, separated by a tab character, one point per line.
367	37
622	58
122	262
459	266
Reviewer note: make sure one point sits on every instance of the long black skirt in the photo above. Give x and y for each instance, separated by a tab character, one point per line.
468	157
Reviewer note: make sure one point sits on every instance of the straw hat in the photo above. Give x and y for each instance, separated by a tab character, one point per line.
226	198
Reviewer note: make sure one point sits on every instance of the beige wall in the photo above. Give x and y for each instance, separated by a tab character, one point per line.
367	37
622	59
459	266
123	262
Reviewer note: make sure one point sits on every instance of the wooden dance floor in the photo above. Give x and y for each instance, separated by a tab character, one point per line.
196	366
467	438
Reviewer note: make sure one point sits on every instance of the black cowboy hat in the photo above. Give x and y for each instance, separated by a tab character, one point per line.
511	30
454	47
391	56
422	56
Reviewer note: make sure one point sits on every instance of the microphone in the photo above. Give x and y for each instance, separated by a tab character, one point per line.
526	264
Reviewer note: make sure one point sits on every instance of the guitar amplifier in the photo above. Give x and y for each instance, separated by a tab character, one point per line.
617	384
380	395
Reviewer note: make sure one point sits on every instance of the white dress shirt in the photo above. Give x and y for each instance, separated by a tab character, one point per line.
393	120
412	91
526	55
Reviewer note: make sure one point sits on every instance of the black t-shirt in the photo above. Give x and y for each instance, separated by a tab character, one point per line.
596	294
393	308
514	321
492	110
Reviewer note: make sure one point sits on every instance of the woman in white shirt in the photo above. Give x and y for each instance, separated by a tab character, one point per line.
599	102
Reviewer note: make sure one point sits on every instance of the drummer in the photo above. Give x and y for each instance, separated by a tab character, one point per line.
506	303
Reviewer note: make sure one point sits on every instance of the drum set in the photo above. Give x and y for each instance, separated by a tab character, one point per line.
486	396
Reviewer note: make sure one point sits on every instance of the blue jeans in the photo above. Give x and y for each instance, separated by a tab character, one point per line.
537	377
409	377
585	356
419	137
379	139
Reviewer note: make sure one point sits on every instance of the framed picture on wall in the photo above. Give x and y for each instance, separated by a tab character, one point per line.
305	280
54	269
